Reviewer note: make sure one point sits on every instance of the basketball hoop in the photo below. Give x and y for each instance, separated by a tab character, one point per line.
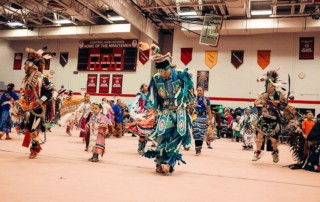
210	30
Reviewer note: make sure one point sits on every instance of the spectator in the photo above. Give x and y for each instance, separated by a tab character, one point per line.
236	129
307	124
218	124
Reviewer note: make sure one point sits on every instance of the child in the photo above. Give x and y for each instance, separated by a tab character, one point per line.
236	129
98	128
307	124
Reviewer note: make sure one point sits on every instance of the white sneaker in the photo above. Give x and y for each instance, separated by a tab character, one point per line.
257	155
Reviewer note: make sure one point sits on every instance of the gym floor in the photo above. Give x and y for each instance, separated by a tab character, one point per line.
226	173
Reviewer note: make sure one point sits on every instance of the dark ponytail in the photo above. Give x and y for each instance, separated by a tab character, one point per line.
10	87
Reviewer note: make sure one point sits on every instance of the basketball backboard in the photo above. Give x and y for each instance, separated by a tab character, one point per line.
210	30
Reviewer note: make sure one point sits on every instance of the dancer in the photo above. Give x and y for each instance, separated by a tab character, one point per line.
247	122
6	101
81	116
98	128
268	124
172	93
108	111
144	119
305	148
68	111
296	140
37	90
203	121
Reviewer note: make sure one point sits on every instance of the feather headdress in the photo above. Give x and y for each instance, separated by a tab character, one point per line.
272	79
162	61
39	57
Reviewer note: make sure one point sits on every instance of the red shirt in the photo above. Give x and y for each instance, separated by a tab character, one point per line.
307	126
230	120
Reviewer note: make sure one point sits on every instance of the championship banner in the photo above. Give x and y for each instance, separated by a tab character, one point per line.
108	55
17	62
63	60
92	83
116	83
144	56
306	49
237	58
203	80
104	83
264	58
186	55
211	58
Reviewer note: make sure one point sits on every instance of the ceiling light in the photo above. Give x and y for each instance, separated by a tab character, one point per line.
63	21
187	13
261	12
116	18
14	24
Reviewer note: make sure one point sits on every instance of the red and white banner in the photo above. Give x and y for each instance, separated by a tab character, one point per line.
186	55
144	56
116	83
92	83
104	83
17	61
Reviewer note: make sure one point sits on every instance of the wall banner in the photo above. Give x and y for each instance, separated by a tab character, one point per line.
92	83
63	60
211	58
144	56
263	58
237	58
117	83
104	83
17	62
306	48
186	55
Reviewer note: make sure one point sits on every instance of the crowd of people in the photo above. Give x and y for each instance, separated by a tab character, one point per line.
170	112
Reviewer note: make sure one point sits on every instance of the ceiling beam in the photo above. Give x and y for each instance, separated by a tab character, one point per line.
93	9
215	9
293	9
22	15
274	7
195	7
78	11
183	5
133	16
290	4
39	15
51	11
165	8
302	7
247	6
223	12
